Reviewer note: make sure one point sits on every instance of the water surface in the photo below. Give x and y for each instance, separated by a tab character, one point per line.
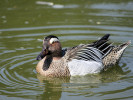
23	25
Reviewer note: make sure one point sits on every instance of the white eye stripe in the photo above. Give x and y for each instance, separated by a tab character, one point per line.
53	40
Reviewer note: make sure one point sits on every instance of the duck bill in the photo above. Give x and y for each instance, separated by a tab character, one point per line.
42	54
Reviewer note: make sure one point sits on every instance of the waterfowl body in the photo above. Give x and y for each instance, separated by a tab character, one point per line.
79	60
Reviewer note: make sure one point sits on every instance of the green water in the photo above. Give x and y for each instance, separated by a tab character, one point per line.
24	24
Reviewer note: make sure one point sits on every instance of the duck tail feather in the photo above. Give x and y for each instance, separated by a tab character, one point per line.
124	45
115	55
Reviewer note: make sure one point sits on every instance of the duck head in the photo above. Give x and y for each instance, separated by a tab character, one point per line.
51	47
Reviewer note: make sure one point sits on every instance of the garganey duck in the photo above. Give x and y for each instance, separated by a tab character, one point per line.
79	60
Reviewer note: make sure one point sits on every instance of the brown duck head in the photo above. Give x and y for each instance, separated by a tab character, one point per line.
51	47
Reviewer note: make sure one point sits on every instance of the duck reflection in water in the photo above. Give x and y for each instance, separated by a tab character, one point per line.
54	87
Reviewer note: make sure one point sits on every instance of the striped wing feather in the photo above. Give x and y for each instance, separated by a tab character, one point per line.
91	52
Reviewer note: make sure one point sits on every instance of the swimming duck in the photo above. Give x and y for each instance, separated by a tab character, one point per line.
79	60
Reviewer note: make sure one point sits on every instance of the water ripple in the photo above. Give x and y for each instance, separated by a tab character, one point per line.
70	26
18	73
15	77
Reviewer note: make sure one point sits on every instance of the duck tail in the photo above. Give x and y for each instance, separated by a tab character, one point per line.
124	45
115	55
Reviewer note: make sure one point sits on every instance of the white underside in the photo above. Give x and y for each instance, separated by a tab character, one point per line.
81	67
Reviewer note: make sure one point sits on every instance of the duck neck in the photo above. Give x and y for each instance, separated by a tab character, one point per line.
57	55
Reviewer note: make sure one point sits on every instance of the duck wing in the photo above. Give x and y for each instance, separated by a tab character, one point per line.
87	58
90	52
94	57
